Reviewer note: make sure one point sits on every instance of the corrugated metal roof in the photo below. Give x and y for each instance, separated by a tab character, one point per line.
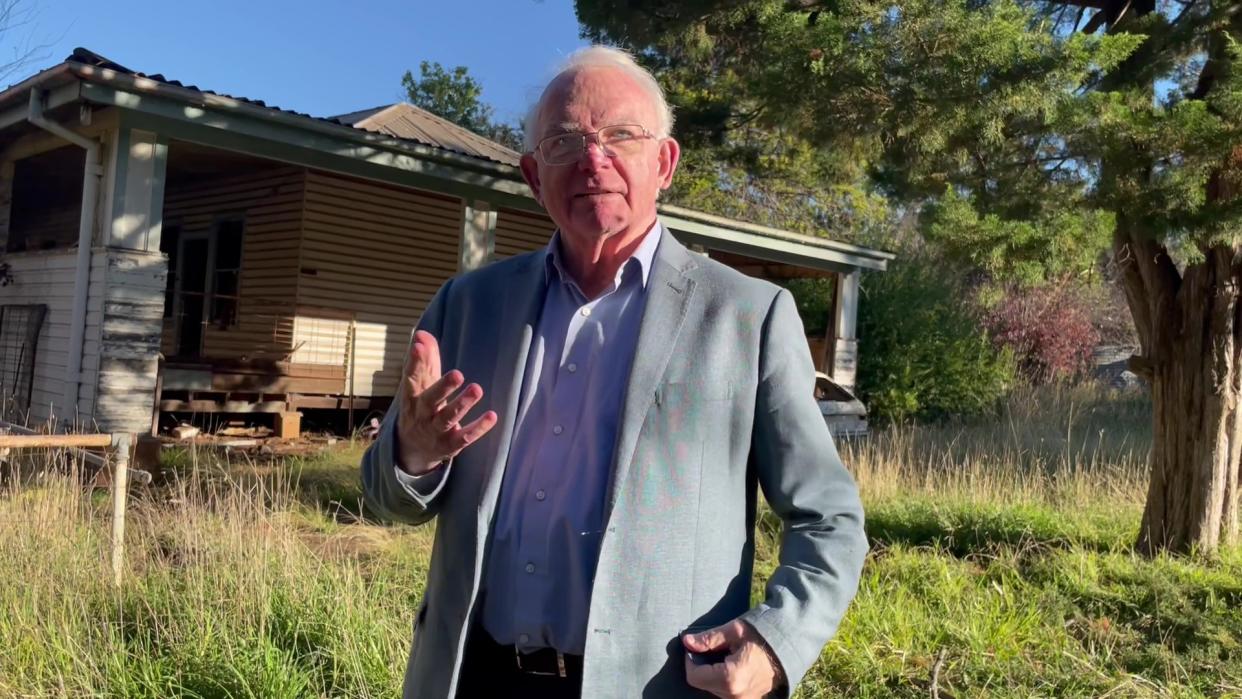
402	121
355	117
423	130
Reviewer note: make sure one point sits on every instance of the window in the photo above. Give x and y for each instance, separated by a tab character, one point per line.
227	273
170	239
46	200
204	280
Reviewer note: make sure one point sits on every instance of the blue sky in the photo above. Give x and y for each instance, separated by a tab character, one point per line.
314	56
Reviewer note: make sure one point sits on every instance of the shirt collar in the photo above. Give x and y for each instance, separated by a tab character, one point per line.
643	256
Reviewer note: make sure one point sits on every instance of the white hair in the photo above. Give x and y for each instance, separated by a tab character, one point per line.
602	57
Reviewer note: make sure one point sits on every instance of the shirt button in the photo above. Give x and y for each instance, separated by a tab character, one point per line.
586	313
540	495
558	429
523	639
530	568
572	367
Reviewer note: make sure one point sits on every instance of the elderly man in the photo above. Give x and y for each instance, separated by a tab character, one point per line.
589	424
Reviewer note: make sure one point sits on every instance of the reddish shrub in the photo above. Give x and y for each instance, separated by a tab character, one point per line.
1049	329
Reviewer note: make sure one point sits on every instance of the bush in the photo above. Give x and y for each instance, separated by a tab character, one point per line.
922	351
1048	328
813	297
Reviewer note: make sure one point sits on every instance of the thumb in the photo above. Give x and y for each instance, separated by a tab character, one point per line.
718	638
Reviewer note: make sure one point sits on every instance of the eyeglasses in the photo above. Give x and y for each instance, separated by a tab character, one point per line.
616	140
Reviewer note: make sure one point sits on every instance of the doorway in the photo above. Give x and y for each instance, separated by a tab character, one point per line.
204	283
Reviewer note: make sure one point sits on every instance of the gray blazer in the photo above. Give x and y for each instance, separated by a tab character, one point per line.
720	400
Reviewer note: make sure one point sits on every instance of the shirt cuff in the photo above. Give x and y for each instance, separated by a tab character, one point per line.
423	486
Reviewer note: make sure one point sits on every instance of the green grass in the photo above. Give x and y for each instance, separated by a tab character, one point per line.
1001	566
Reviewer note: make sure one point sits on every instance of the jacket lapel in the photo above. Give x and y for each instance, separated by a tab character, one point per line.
668	299
523	295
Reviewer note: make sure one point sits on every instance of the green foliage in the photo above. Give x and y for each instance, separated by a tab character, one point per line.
738	159
1055	246
1042	135
923	353
452	95
813	297
456	96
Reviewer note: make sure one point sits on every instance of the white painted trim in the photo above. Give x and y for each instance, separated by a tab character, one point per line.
477	243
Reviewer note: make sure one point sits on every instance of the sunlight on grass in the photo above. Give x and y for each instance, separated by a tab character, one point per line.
1001	563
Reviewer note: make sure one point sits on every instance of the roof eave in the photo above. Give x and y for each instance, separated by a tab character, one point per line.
720	232
833	252
141	85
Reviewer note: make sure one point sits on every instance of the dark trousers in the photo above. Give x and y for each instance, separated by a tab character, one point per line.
490	670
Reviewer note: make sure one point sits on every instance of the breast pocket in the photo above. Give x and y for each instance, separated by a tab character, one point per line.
692	416
683	403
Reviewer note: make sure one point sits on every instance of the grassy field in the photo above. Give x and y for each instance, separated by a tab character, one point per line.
1001	567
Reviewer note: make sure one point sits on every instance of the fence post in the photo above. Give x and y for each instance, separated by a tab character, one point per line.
120	494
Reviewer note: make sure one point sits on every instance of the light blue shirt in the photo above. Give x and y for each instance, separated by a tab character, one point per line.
549	519
550	516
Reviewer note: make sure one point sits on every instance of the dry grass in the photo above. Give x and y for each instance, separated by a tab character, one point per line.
1001	556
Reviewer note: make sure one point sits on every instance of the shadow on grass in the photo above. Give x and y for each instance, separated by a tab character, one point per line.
966	529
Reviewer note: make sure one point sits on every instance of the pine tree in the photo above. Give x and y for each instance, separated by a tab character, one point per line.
1032	131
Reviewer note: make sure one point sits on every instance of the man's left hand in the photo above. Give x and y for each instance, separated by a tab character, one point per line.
747	672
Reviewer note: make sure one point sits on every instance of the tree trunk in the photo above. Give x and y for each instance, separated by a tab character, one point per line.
1189	324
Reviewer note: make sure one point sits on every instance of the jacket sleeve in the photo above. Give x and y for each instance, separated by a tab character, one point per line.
822	543
387	490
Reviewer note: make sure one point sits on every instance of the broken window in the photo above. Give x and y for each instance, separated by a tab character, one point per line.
46	200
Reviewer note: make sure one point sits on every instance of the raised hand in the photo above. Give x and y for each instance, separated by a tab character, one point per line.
428	429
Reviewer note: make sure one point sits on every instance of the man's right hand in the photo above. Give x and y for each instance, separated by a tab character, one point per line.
428	432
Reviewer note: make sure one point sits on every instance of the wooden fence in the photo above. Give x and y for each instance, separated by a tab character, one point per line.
118	445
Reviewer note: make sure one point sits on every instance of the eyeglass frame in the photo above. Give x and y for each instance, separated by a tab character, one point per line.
588	137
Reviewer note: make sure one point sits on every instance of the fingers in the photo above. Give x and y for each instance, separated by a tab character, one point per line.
452	413
462	437
710	678
429	341
424	364
734	678
433	396
731	677
718	638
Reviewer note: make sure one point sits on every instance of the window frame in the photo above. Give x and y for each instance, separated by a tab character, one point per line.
210	317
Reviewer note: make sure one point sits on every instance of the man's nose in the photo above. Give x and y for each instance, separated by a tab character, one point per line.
593	156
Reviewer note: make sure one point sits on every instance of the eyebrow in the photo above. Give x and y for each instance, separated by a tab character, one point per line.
565	127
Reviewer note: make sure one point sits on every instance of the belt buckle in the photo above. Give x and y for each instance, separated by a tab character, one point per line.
560	665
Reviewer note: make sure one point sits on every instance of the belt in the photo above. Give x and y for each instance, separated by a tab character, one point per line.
547	662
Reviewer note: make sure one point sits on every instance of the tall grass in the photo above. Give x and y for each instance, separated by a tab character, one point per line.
1001	566
234	589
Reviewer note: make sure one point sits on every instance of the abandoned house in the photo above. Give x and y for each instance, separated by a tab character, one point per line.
171	249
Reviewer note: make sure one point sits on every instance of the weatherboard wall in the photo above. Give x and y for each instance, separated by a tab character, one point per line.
379	253
270	203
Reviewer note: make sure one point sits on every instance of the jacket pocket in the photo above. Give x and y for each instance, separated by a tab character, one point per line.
676	392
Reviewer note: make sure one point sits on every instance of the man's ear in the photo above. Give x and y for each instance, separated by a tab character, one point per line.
530	173
670	155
